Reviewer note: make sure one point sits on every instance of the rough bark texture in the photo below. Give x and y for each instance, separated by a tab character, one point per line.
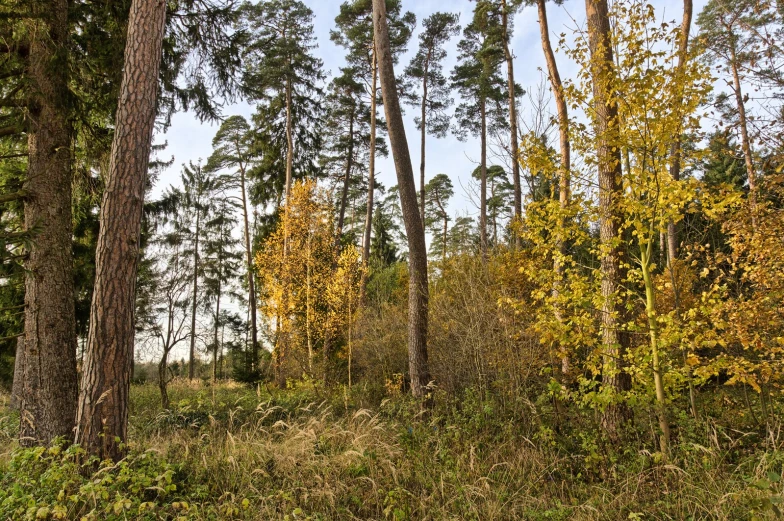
614	339
371	160
417	262
102	418
16	387
518	194
675	153
48	378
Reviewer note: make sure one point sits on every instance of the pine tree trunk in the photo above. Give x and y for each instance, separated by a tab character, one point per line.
418	286
675	153
744	134
48	378
372	160
614	339
217	324
518	194
564	174
423	139
254	338
192	359
346	182
483	181
102	417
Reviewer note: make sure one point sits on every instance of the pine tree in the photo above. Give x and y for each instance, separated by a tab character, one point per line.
355	33
438	192
425	72
477	78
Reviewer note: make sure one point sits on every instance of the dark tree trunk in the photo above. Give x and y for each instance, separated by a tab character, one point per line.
418	287
614	339
192	357
518	194
163	378
372	160
483	181
102	417
48	378
346	182
254	335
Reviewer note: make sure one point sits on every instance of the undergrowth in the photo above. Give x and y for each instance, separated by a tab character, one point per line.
231	452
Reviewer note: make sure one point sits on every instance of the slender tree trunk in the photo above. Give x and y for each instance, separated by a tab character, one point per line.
102	417
564	173
49	383
254	338
192	359
418	286
744	134
518	194
614	339
163	365
346	182
675	152
423	138
483	181
215	332
372	160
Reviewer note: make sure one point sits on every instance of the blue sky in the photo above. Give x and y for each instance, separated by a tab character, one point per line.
189	139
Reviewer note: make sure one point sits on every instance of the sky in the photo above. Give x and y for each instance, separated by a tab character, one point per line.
190	140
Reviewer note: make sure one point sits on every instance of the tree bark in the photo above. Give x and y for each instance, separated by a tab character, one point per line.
346	182
744	134
614	339
483	181
417	256
17	387
564	174
192	357
518	194
48	378
675	152
423	139
372	160
102	417
254	338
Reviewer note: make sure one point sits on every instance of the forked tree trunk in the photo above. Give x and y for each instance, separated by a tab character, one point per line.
675	152
48	376
102	417
564	173
417	262
518	194
374	67
614	339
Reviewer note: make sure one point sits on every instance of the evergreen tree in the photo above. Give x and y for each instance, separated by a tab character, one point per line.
425	72
438	192
477	78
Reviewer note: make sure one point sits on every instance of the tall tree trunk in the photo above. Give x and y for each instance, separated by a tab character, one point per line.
192	359
423	139
675	152
417	256
483	181
564	173
744	134
608	152
49	385
163	377
217	324
254	335
102	417
346	182
518	194
374	66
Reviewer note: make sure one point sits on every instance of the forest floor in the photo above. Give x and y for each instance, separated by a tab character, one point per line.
232	452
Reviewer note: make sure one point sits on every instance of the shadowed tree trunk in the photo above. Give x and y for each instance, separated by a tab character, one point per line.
608	153
518	195
48	375
371	160
417	264
102	418
346	182
483	181
194	303
17	387
254	338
